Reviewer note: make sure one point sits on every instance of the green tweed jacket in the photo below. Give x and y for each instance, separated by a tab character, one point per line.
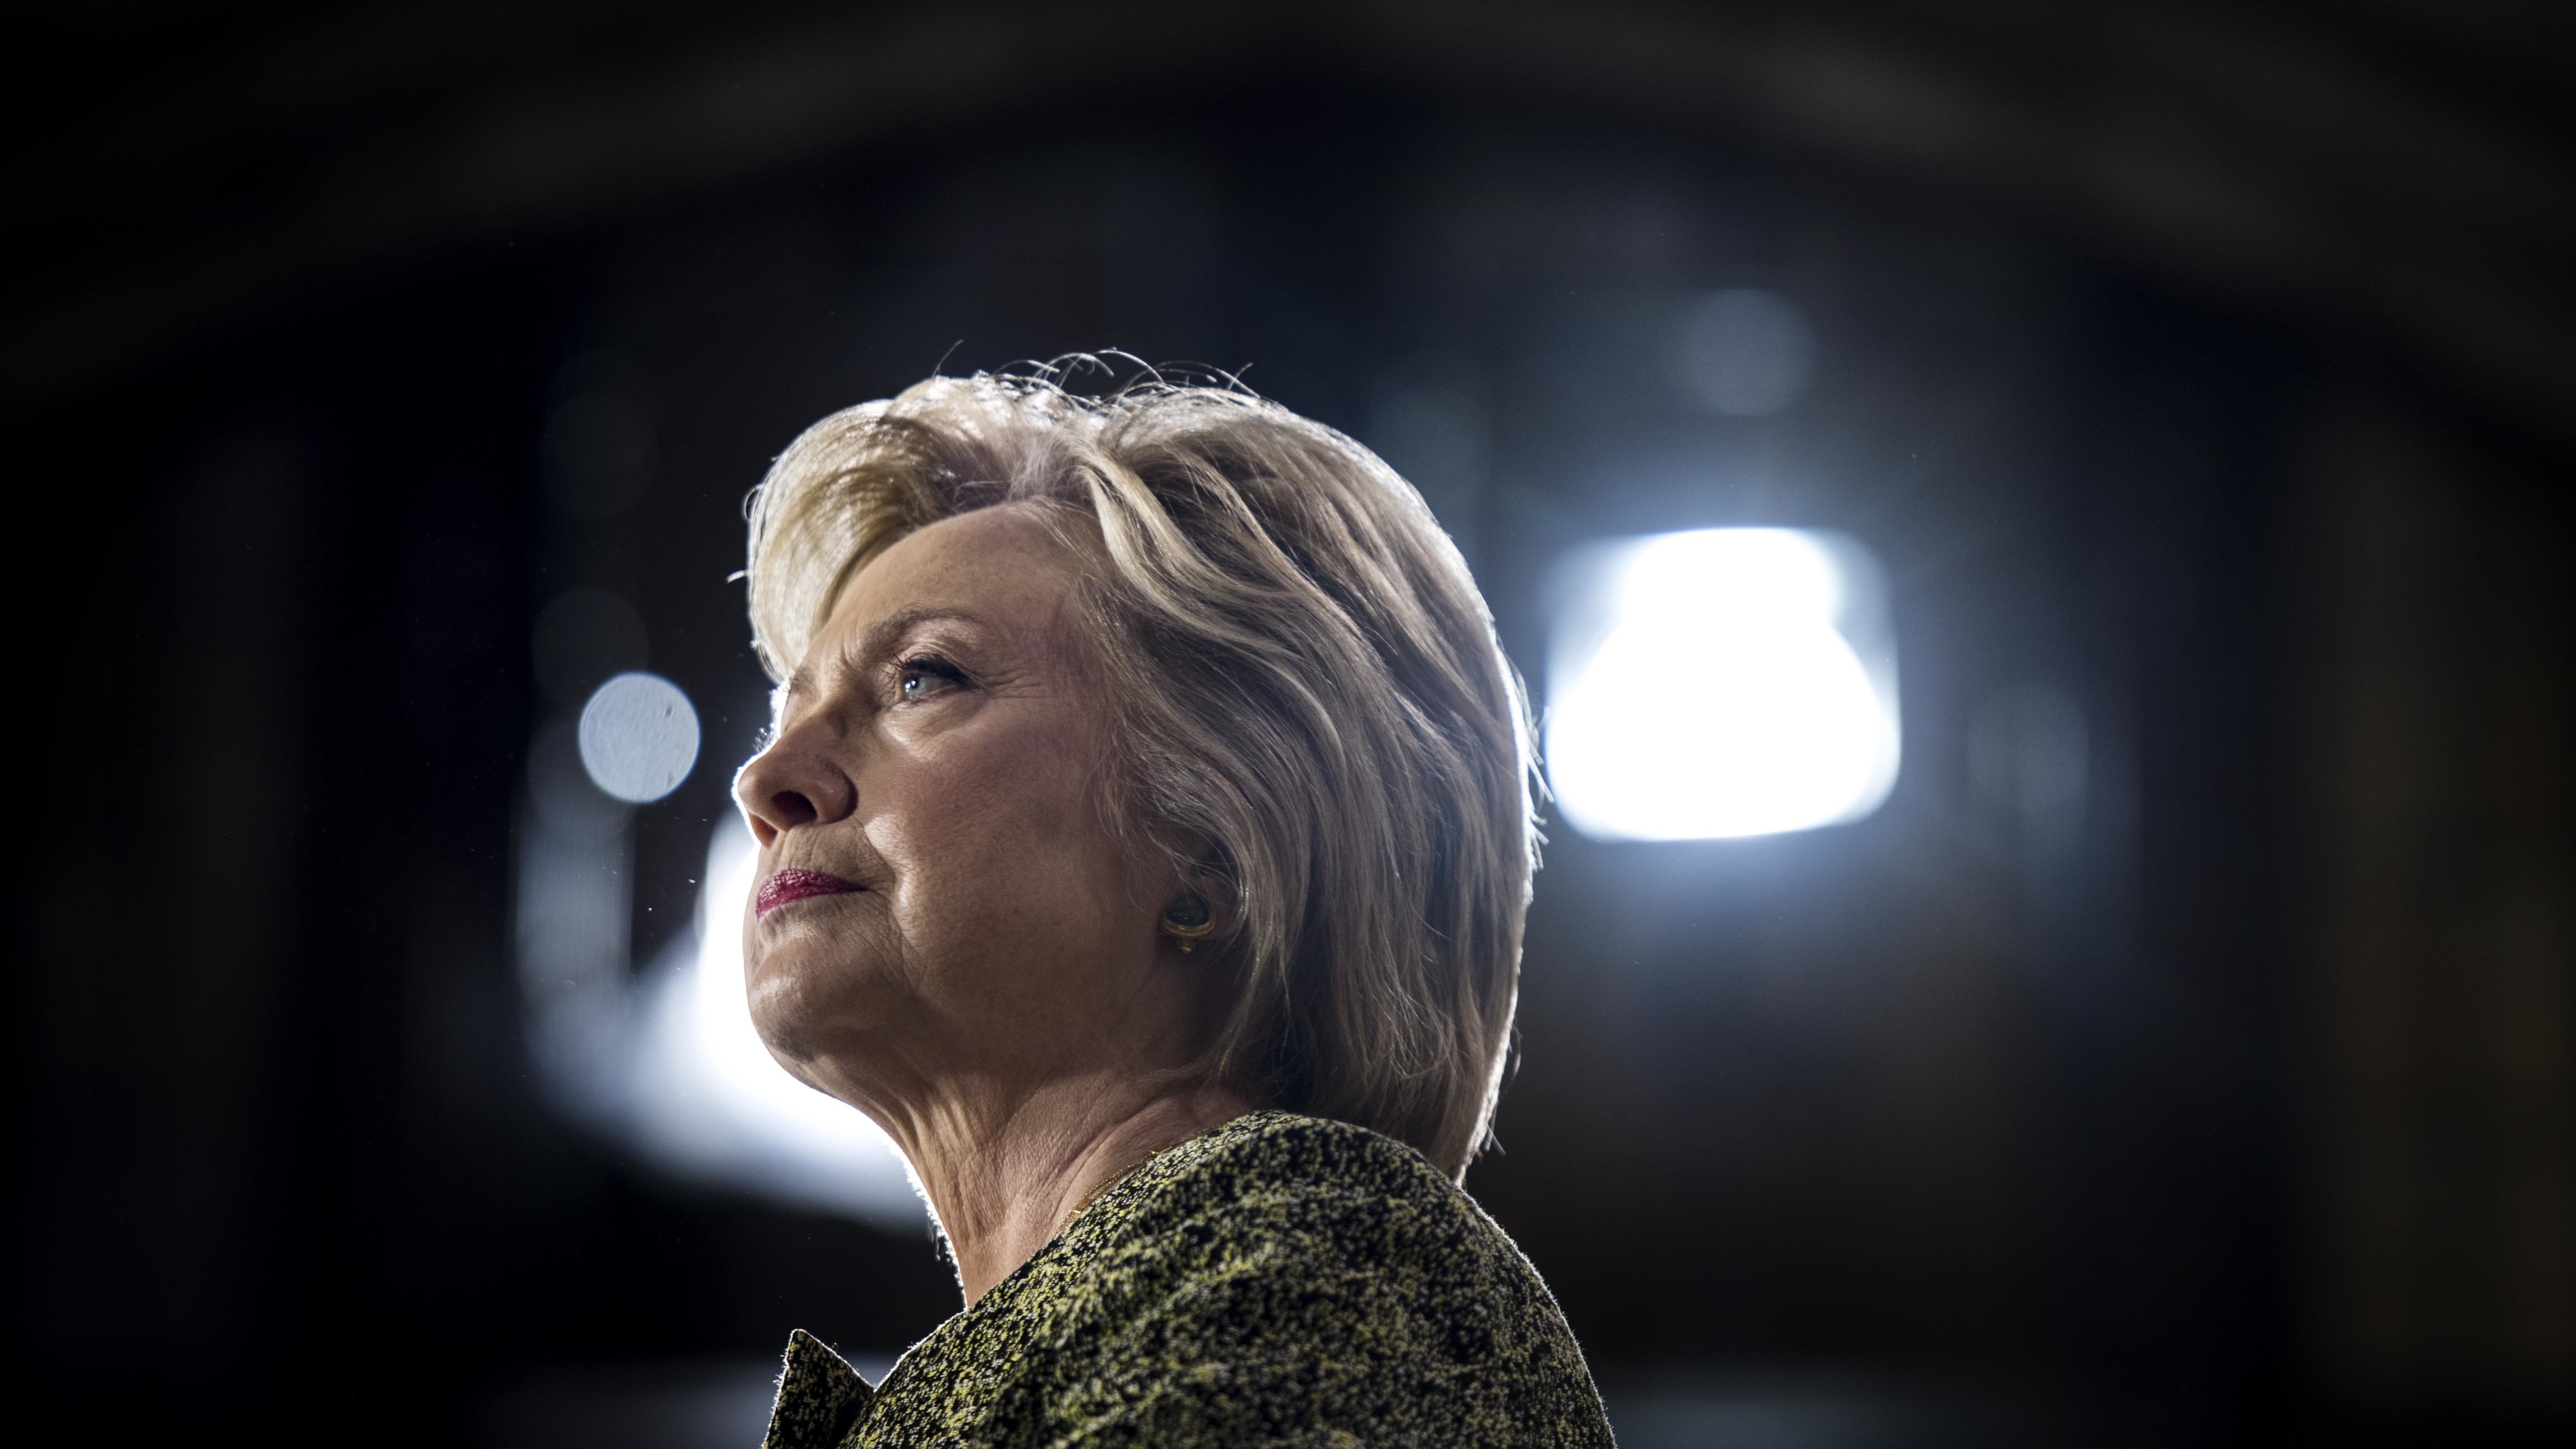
1280	1280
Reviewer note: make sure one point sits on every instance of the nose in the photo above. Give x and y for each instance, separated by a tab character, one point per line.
794	782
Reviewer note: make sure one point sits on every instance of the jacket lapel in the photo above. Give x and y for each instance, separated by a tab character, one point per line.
819	1397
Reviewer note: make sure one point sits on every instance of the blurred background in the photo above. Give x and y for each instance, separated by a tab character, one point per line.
2164	1032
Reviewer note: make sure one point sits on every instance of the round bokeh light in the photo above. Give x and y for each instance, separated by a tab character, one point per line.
639	737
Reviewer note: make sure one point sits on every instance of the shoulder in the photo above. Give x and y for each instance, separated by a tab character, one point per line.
1270	1154
1284	1270
1281	1280
1271	1189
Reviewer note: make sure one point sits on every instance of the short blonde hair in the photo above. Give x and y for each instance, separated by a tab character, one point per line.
1311	710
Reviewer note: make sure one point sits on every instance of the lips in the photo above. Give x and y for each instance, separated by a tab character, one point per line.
795	884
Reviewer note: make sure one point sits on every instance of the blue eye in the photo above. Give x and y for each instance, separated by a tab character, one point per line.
921	679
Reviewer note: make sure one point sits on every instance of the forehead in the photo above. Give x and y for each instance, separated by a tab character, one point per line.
1004	565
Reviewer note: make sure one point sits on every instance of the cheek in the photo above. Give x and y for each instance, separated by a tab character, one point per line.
1005	883
1003	842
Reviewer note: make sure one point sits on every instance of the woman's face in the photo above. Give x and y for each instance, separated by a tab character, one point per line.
943	902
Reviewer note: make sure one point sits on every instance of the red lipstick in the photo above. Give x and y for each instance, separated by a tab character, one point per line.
795	884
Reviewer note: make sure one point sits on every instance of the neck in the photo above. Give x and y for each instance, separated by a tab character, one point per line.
1003	1183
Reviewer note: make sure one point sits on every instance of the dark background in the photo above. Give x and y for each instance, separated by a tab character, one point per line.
2210	366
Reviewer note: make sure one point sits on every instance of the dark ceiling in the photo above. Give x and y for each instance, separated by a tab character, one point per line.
2395	174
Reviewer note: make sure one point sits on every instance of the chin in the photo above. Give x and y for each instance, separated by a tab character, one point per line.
811	1003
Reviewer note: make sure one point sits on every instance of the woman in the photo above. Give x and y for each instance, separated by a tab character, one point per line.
1144	845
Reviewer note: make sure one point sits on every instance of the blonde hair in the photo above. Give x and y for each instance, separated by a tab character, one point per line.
1312	713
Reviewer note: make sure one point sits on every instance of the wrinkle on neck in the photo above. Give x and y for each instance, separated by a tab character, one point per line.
1003	1187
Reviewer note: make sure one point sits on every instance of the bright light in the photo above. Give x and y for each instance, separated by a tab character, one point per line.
708	1098
639	736
1721	682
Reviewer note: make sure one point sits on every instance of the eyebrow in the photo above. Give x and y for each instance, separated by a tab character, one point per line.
879	641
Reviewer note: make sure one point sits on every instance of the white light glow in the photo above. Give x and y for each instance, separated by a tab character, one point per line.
708	1098
1722	682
